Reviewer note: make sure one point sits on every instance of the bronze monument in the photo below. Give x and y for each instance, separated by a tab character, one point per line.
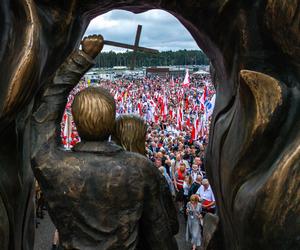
253	151
100	196
130	133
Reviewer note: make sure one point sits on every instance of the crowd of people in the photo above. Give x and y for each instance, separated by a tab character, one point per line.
180	110
177	113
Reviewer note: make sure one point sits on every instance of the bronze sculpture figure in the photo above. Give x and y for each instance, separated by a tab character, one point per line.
130	133
253	152
100	196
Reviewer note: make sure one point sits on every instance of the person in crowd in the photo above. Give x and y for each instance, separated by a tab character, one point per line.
178	183
177	162
130	133
195	186
195	172
207	197
55	241
199	163
169	181
158	162
153	148
188	156
165	159
193	228
168	165
186	187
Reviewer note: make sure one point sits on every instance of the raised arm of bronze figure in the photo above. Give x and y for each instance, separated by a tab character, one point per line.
49	108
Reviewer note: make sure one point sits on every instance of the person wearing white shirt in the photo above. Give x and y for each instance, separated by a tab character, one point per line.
207	197
195	172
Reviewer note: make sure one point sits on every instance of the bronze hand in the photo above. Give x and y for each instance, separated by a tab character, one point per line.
92	45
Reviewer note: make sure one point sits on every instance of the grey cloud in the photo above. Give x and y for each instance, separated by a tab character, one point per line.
161	30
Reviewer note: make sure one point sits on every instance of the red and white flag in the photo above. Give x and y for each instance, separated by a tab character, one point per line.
194	133
165	107
140	108
171	113
188	120
172	83
179	118
203	99
186	81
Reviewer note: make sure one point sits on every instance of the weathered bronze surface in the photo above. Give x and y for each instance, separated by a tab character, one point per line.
100	196
211	239
97	122
130	133
253	152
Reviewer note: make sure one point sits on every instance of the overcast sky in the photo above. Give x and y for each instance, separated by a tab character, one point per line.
160	31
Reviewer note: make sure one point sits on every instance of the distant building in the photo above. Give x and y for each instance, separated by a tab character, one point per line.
177	72
163	72
120	68
169	71
201	72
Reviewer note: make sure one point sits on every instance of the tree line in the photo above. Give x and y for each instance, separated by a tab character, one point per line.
164	58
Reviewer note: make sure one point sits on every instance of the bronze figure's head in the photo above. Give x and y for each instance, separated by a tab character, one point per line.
130	133
94	112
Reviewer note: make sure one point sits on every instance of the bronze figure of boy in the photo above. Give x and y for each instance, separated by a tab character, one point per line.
99	196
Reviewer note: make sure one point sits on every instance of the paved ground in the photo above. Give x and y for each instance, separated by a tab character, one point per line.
180	237
45	230
44	234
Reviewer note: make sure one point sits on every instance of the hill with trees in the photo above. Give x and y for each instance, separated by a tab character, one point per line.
164	58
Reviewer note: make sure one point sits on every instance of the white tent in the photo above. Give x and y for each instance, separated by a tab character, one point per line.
201	72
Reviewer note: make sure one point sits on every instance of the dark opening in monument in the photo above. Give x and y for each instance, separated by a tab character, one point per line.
253	151
171	67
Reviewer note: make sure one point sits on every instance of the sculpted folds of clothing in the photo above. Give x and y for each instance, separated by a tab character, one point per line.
100	188
79	182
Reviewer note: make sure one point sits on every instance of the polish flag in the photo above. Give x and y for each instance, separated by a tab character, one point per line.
179	118
172	83
202	127
165	108
162	106
188	121
194	133
67	132
140	109
129	86
203	99
197	123
171	113
186	103
181	111
186	81
156	118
